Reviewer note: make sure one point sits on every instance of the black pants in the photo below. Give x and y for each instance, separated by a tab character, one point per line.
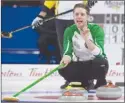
85	71
61	25
47	36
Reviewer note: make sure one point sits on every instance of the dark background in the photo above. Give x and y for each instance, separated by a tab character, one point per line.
23	47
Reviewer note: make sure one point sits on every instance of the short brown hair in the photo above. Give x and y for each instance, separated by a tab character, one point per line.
81	5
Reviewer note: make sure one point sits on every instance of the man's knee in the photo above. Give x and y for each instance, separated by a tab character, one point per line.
100	67
65	69
100	62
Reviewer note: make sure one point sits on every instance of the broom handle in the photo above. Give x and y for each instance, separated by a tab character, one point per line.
38	80
48	19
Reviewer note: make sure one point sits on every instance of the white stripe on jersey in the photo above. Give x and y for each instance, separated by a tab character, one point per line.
67	47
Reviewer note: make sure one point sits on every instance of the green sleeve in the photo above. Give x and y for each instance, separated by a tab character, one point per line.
67	43
99	39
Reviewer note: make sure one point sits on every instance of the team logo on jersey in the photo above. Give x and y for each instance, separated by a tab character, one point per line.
116	5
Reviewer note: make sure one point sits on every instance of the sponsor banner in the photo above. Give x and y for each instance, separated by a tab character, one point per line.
24	72
108	6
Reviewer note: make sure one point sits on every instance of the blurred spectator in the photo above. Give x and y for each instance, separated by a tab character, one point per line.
47	38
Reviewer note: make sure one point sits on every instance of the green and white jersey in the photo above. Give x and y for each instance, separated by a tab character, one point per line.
75	47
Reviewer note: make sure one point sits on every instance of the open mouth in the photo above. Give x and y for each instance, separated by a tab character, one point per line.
79	21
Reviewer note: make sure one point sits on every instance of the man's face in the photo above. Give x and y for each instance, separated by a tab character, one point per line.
80	17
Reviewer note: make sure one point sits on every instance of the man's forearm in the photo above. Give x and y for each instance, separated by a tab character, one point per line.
92	47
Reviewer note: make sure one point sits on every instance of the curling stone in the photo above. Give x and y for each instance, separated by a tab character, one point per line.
74	92
109	92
